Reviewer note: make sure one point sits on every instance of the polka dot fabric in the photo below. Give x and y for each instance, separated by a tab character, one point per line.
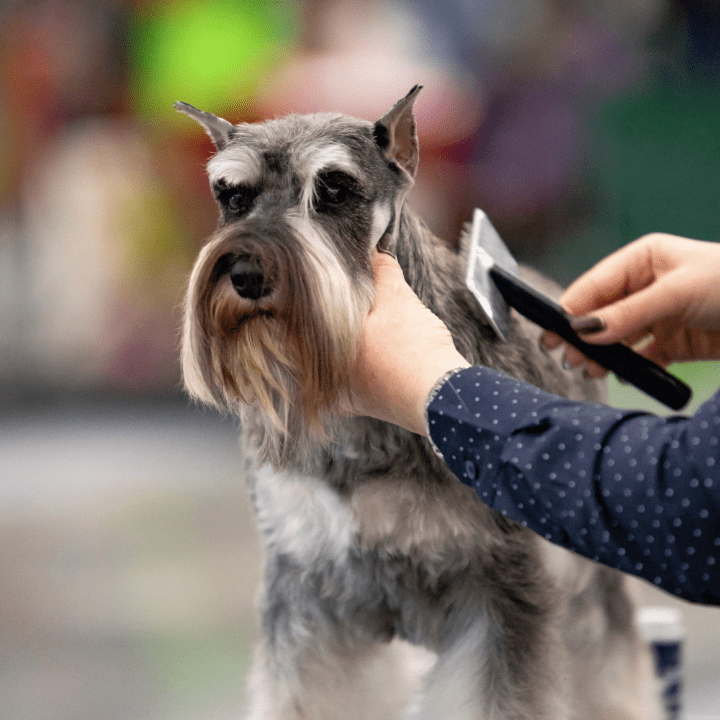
631	490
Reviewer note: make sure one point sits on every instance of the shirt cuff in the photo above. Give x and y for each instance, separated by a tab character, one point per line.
431	396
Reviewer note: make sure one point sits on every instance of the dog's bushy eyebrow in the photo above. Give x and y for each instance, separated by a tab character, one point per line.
317	158
235	166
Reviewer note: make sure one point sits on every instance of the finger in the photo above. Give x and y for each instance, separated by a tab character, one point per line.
550	341
638	339
573	358
593	371
390	284
655	353
386	266
627	270
592	325
631	316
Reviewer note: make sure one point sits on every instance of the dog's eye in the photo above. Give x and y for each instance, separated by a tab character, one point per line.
334	188
240	202
236	199
332	194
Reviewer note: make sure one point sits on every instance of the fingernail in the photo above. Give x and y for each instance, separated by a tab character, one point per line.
566	365
587	324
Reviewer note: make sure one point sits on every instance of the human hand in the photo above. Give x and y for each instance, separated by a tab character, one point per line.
404	349
661	290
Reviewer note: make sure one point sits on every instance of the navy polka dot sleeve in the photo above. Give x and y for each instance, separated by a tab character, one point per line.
628	489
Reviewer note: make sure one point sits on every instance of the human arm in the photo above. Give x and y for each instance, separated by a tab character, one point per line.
631	490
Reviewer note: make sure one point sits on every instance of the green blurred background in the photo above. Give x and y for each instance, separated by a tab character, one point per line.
128	560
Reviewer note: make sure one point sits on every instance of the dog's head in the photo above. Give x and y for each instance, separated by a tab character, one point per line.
278	294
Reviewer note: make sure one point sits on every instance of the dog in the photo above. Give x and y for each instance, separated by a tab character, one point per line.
368	536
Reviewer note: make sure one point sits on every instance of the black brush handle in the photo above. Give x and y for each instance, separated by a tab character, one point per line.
618	358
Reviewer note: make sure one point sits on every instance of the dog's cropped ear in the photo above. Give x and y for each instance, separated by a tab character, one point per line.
219	130
396	135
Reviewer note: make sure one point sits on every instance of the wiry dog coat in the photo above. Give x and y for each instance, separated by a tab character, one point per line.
368	535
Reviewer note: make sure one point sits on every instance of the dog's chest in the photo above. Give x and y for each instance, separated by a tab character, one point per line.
302	518
309	520
385	558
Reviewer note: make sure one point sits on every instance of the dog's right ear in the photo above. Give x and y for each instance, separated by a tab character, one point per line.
219	130
396	136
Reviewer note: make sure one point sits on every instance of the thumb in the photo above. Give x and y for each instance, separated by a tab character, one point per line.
389	277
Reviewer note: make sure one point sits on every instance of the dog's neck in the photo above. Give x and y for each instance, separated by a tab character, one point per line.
417	251
431	268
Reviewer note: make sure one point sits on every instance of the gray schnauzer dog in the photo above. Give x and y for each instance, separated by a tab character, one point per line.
369	538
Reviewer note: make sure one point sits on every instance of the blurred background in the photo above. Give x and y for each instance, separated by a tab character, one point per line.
128	558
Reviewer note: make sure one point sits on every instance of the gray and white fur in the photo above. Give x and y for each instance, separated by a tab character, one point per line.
369	538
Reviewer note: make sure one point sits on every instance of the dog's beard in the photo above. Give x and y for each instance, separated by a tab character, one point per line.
283	360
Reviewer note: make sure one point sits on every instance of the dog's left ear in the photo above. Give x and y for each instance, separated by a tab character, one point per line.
219	130
396	135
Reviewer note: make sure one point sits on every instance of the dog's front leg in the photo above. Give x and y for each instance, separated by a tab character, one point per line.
319	677
478	677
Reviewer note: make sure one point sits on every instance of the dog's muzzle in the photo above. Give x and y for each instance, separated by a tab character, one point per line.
249	279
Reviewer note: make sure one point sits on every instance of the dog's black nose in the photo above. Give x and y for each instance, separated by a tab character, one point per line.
249	280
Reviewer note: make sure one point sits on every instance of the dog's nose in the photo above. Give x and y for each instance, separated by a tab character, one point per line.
249	280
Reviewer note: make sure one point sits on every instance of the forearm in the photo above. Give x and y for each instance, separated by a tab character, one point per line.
631	490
